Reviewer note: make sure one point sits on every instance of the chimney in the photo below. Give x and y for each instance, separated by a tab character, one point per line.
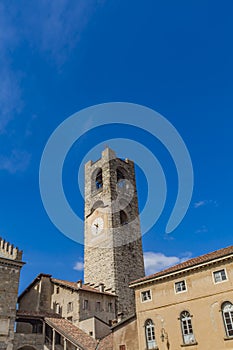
101	287
79	283
120	317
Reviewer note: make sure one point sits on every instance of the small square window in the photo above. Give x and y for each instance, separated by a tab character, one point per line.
220	276
180	286
146	295
122	347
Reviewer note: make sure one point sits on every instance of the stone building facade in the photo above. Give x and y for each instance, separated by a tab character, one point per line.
86	307
10	266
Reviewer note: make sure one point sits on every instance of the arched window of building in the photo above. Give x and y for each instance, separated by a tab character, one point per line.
99	179
120	175
227	314
123	218
187	328
120	179
150	334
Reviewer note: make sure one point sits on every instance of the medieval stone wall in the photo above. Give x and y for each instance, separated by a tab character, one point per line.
10	265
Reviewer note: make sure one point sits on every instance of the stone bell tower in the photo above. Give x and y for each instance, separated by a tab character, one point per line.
113	247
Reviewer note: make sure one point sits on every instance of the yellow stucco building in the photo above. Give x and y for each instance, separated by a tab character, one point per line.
187	306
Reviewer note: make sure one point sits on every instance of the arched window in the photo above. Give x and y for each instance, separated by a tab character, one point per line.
120	179
123	218
186	327
120	175
227	314
150	334
99	179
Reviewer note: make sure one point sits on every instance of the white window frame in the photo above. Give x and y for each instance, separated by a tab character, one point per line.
221	280
227	310
187	328
150	334
180	291
148	295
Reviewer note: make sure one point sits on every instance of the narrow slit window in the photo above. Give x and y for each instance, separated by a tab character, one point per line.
70	307
85	304
98	306
123	218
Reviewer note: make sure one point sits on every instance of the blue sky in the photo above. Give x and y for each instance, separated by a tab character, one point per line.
59	57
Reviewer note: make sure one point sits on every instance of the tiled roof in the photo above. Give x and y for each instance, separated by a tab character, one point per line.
36	314
207	258
106	343
74	286
72	333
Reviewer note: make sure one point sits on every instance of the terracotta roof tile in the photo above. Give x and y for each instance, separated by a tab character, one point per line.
189	263
74	286
39	314
73	333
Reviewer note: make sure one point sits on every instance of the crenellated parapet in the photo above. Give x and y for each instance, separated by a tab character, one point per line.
8	251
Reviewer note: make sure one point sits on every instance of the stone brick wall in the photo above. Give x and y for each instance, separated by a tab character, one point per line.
104	313
78	312
10	265
38	296
113	256
35	341
62	296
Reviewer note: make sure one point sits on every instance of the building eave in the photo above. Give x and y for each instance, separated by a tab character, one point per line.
11	262
172	274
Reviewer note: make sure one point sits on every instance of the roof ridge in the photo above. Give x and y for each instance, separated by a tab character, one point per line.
204	258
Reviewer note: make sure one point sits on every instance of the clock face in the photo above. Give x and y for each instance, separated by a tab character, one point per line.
97	226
